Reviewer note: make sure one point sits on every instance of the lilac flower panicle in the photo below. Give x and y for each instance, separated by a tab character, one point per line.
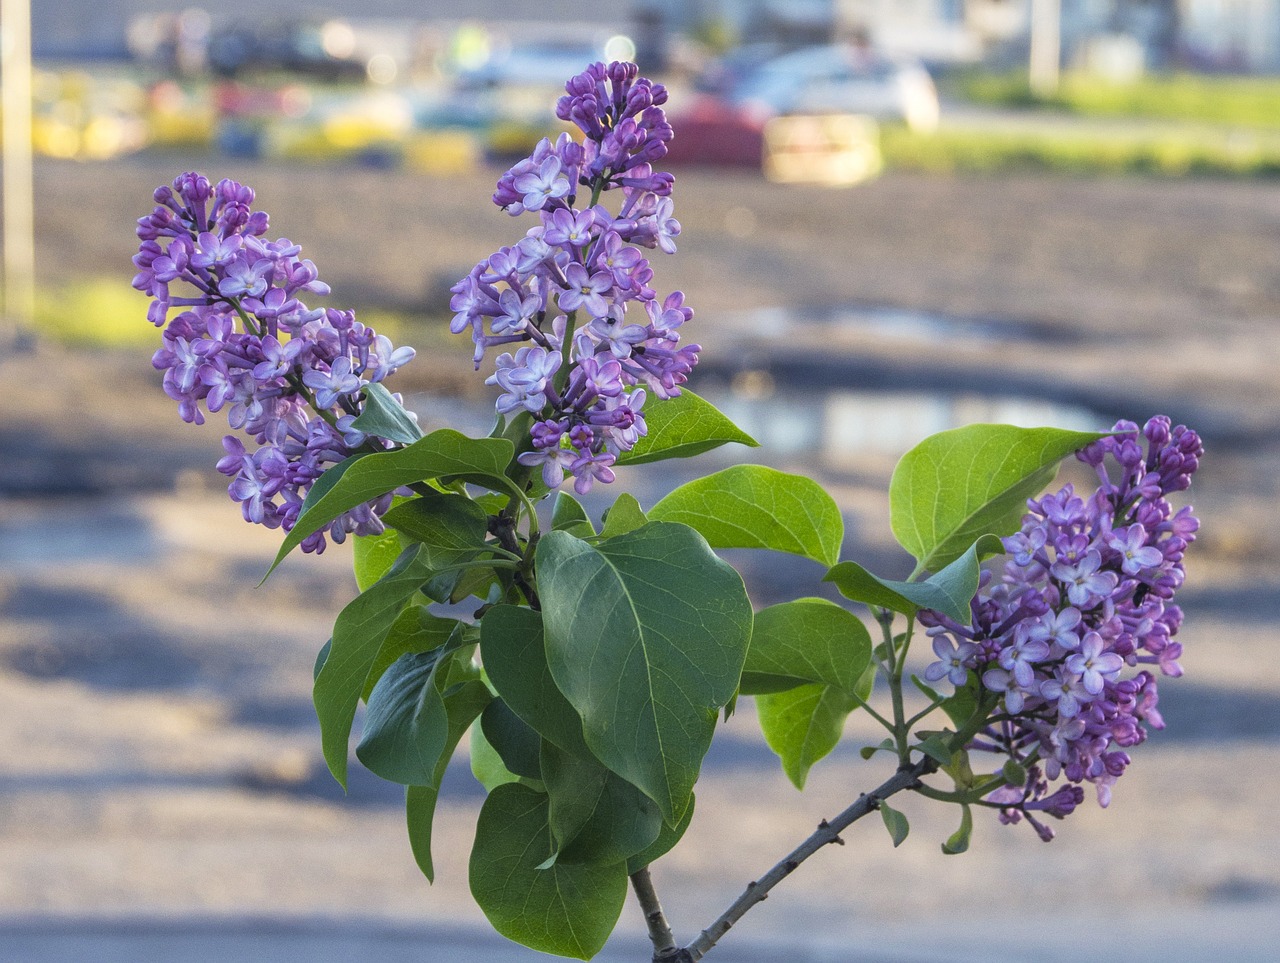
1074	632
242	340
576	287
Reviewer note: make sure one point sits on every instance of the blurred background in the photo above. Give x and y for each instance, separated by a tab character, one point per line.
898	216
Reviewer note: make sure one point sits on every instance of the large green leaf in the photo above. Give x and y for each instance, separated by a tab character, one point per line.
683	426
515	657
808	640
358	635
949	591
385	417
750	506
464	697
406	726
568	909
646	635
441	453
595	814
803	724
958	485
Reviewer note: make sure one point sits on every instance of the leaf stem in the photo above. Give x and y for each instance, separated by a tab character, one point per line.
907	777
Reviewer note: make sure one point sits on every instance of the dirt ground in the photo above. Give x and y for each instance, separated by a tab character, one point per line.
161	760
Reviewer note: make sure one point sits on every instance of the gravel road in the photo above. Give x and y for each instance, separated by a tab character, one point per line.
161	795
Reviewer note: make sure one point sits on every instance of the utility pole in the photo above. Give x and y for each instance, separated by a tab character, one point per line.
1046	46
18	304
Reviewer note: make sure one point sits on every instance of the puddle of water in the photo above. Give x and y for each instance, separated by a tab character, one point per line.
834	428
901	325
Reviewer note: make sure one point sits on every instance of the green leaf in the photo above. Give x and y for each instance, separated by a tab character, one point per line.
444	523
886	745
750	506
961	706
451	530
668	837
957	485
406	726
803	725
415	630
463	702
595	814
646	634
683	426
358	636
515	657
385	417
958	841
808	640
568	515
936	748
486	764
949	591
625	515
896	823
441	453
515	742
373	555
568	909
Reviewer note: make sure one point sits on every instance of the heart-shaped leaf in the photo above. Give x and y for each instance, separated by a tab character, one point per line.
646	634
568	909
808	640
958	485
750	506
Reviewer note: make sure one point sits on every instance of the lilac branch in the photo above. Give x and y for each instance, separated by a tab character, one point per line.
757	891
664	941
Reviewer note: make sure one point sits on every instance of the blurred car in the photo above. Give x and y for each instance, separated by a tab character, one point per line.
838	79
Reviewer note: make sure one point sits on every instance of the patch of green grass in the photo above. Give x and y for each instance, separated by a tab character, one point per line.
94	312
1170	154
1230	101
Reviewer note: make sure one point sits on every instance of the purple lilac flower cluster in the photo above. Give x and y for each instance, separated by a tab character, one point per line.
1085	594
563	291
288	375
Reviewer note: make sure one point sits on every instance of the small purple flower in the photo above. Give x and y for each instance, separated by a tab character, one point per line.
333	384
1086	586
952	660
1092	664
1137	556
546	183
585	290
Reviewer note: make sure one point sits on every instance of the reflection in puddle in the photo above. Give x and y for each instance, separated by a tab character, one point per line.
837	427
901	324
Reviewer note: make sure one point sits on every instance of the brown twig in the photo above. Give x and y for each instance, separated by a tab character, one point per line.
907	777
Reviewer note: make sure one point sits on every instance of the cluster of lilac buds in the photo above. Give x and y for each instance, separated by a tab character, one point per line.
1085	598
288	375
564	290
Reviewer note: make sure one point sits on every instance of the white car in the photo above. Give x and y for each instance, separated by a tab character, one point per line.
840	79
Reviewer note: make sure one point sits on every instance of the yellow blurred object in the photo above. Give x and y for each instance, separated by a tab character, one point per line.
442	152
837	150
82	116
